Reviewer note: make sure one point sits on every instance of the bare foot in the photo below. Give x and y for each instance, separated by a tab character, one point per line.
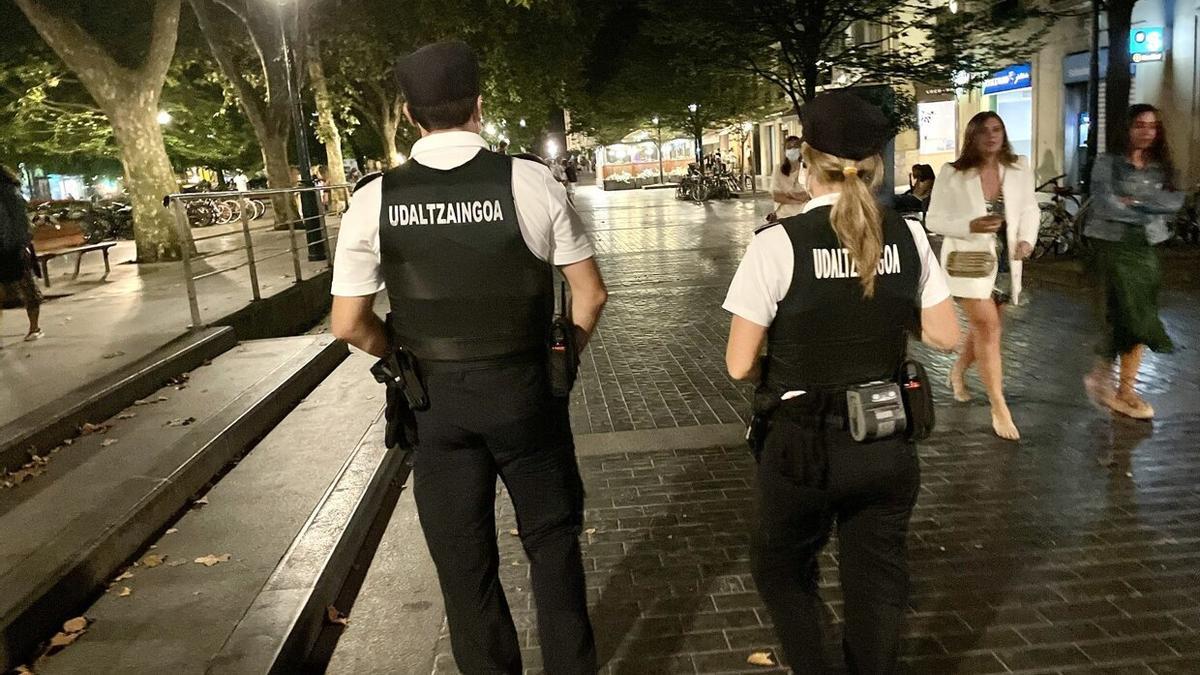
1128	403
1002	424
958	385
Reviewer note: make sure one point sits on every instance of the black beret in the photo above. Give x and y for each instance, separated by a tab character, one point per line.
842	124
439	73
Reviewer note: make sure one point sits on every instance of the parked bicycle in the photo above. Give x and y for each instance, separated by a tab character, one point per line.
1187	222
1061	230
208	212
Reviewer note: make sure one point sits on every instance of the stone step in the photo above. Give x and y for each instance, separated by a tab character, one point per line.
106	496
46	426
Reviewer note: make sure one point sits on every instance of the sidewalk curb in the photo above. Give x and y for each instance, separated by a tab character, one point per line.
650	440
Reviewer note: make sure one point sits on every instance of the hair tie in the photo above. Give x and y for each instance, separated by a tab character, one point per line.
849	171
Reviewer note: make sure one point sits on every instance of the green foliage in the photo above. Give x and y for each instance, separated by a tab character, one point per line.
207	128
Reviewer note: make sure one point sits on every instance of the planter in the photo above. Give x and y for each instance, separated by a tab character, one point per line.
619	185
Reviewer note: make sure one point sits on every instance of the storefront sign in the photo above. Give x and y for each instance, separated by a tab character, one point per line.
1076	67
1146	44
1012	78
935	125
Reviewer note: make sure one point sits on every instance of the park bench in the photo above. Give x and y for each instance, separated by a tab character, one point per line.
66	238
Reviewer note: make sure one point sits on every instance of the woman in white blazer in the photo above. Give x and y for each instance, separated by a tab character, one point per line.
984	205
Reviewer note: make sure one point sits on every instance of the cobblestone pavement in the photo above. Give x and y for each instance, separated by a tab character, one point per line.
1075	551
657	359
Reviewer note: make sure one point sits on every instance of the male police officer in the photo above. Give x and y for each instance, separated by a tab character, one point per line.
464	240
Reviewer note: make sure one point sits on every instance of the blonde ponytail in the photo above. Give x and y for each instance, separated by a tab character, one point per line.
856	218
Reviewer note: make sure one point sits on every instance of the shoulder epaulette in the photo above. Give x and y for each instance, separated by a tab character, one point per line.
365	179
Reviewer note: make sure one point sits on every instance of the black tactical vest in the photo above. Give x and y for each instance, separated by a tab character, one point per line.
463	285
825	333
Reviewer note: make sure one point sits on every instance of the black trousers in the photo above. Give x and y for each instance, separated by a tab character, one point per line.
868	490
503	422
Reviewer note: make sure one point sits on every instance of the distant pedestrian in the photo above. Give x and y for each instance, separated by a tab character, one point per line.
788	184
983	203
502	148
17	258
1133	199
572	173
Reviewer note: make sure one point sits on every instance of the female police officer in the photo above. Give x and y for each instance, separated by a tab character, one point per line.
834	291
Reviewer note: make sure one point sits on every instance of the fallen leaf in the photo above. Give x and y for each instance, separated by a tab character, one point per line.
125	591
124	575
335	617
590	530
203	501
68	441
141	401
76	625
172	530
160	399
113	355
126	416
107	442
760	659
23	670
176	563
181	422
61	640
514	532
153	560
89	428
153	546
210	559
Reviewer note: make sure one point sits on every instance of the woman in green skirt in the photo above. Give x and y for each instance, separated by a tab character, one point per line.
1133	200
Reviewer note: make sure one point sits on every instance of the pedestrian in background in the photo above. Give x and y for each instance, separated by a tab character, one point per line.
17	258
1133	200
788	183
828	327
572	174
984	205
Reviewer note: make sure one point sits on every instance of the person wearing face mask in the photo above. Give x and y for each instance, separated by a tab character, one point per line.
984	205
1133	196
788	184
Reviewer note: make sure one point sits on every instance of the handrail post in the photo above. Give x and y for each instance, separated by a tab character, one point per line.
295	252
182	228
243	206
324	228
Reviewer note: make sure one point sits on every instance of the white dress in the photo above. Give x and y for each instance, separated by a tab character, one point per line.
958	199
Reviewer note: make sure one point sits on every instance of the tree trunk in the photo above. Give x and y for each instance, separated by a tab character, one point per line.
129	98
389	146
279	175
327	130
148	178
1117	81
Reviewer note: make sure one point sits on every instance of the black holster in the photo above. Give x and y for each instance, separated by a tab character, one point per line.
406	394
763	406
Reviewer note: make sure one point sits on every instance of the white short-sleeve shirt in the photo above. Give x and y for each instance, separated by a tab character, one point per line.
765	273
549	224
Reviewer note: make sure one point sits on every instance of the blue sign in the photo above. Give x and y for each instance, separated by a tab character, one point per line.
1012	78
1147	44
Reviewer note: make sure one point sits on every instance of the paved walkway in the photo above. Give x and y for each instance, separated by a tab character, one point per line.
1075	551
95	325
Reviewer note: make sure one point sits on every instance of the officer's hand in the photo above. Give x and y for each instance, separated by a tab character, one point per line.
986	224
1024	250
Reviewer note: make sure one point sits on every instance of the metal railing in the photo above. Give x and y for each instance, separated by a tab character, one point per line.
316	248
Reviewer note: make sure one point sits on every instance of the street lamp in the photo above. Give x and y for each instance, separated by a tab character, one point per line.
164	117
489	129
658	127
309	210
698	144
522	122
551	149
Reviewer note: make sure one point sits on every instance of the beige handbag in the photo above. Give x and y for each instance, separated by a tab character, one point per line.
970	264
